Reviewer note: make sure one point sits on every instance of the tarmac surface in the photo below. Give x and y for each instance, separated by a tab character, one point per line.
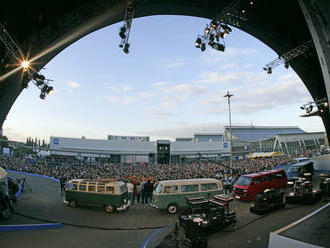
93	227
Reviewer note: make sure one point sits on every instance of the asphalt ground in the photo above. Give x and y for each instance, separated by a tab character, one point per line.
93	227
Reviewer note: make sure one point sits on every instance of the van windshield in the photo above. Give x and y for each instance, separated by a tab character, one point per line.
159	188
244	181
293	170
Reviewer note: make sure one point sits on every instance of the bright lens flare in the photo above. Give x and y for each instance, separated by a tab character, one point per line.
25	64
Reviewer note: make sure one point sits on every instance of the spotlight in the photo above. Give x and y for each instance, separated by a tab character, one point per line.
226	28
122	32
42	95
122	35
219	47
39	82
126	48
214	24
309	109
269	70
211	43
37	77
207	31
203	47
326	104
25	64
211	37
198	42
286	65
49	90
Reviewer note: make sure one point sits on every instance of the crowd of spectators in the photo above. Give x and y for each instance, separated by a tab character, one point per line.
138	172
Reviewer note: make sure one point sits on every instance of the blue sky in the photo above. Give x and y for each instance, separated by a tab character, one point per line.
164	88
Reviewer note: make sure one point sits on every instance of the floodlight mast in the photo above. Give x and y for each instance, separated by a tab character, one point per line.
228	95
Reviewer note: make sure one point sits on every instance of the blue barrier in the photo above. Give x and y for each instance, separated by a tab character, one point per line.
35	175
7	228
145	243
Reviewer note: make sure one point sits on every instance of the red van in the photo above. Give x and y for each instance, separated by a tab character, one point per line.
248	186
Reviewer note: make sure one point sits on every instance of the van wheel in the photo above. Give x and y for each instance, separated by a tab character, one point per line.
109	209
72	204
172	209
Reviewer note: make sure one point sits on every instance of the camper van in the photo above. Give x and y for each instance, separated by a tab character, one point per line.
107	193
171	195
248	186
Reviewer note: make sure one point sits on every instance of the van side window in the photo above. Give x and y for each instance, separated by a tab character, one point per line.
209	186
91	188
82	187
266	178
74	186
171	189
278	175
100	188
258	180
189	188
271	177
110	189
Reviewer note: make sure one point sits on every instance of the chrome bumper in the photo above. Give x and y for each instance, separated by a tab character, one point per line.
153	205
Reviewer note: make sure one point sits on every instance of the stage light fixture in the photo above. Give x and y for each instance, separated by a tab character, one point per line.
207	31
203	47
42	95
286	65
126	48
198	42
49	89
219	47
25	64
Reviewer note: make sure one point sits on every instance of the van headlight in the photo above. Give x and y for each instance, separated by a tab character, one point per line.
290	183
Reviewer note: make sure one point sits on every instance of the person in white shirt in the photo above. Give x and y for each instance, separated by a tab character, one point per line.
130	188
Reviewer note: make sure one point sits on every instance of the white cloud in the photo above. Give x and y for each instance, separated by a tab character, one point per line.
120	88
286	91
181	88
159	84
176	63
230	77
213	57
184	129
73	84
128	99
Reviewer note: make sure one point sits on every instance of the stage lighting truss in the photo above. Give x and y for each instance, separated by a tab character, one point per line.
42	83
320	107
10	45
286	57
125	30
216	31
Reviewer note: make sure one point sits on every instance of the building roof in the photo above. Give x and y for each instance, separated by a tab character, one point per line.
259	133
207	134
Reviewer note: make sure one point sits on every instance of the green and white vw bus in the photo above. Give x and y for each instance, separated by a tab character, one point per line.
107	193
171	195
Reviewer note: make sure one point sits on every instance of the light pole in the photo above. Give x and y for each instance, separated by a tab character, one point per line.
231	147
